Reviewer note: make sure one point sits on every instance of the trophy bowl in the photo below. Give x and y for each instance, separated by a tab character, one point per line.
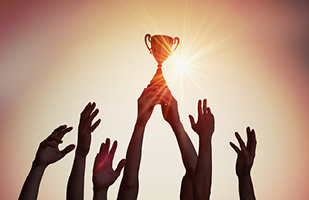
161	46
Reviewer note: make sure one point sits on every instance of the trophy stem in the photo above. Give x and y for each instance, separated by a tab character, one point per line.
158	78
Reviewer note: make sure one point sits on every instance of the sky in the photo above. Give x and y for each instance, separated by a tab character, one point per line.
249	59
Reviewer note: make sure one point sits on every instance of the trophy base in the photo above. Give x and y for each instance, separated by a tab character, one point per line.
158	78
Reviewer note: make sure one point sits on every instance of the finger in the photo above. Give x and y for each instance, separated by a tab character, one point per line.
95	125
120	165
192	122
168	100
63	132
85	110
205	106
106	149
96	161
237	150
242	145
93	115
199	109
67	149
102	148
240	141
113	150
251	143
54	137
89	118
60	128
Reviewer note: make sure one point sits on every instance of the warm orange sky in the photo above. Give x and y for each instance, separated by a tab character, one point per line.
250	60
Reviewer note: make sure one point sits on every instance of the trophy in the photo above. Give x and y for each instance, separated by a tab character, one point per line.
161	48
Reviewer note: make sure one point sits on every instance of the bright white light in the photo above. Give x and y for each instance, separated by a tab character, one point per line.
182	65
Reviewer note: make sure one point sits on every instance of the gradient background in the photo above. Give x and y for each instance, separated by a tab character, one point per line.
250	60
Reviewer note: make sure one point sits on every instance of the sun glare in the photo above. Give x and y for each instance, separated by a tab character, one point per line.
181	65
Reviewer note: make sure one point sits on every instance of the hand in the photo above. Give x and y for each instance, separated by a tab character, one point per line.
85	128
205	124
103	173
48	151
246	154
169	108
146	102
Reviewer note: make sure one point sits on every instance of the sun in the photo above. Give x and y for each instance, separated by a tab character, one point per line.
181	64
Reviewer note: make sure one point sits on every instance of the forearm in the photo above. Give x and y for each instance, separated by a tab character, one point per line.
246	191
129	183
31	186
75	188
187	150
100	194
203	171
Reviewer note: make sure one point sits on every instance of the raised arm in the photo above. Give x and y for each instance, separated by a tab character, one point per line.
129	184
103	174
75	188
204	127
47	153
188	154
244	163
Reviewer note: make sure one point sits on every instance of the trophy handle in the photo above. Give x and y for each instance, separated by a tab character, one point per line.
148	37
175	41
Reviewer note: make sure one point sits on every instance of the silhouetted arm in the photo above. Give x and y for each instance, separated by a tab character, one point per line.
188	154
204	127
47	153
129	184
75	188
244	163
103	174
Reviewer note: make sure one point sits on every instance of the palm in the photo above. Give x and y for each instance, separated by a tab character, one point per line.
103	173
243	165
48	151
205	124
49	155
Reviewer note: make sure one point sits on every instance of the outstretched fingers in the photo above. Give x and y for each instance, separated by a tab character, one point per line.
199	109
242	144
237	150
113	150
205	109
251	143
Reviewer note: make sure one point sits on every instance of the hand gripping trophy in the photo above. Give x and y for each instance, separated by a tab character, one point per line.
161	48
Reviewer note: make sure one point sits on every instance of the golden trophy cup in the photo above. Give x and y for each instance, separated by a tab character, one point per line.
161	48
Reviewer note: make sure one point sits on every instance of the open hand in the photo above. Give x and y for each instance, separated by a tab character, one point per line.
246	154
103	173
85	128
48	151
205	124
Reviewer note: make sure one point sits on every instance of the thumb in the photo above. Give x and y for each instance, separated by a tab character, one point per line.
192	122
120	165
67	149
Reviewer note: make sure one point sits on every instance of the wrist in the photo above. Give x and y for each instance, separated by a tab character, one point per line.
177	127
140	124
80	157
38	166
204	138
244	176
80	154
100	193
